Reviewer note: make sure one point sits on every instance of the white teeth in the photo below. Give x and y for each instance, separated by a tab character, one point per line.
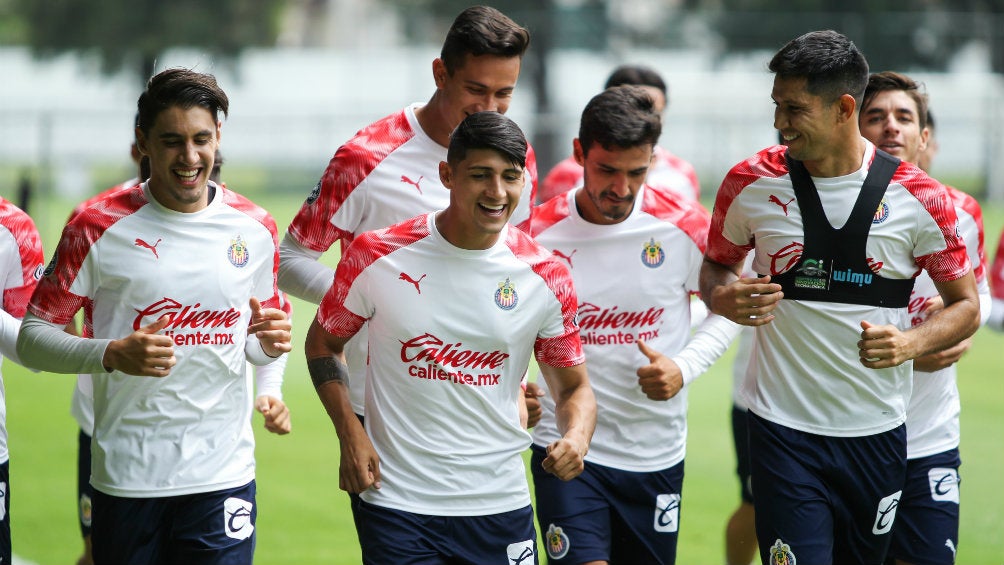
495	208
188	174
789	137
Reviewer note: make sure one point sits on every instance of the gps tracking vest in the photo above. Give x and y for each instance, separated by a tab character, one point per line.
834	266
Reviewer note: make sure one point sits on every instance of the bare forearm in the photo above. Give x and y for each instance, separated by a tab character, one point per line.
714	275
946	328
575	412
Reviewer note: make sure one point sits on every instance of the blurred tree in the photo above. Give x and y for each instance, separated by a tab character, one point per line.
130	34
923	35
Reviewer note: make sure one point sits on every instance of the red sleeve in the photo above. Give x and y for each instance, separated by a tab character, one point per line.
22	228
361	253
565	176
972	207
769	162
952	262
351	164
690	217
564	350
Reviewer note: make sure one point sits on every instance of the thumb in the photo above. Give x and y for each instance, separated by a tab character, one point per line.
866	325
647	351
263	404
255	307
156	326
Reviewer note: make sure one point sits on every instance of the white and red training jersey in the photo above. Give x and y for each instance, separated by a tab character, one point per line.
21	264
932	417
387	173
128	261
668	172
634	280
451	332
808	375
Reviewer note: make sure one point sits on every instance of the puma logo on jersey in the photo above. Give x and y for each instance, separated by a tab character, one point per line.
783	205
565	257
414	183
141	243
405	277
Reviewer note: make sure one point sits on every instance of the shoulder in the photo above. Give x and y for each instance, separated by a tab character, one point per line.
105	210
244	205
549	213
380	138
688	216
371	245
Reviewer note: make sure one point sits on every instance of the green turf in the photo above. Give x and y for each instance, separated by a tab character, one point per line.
304	518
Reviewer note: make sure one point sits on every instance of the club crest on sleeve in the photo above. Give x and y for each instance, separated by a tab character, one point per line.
556	542
881	213
38	272
238	251
506	297
652	254
51	267
780	554
314	194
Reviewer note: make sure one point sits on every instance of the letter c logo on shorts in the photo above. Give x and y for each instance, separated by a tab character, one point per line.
237	518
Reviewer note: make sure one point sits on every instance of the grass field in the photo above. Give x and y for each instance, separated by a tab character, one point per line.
304	519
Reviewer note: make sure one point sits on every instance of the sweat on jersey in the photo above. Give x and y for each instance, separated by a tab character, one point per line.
808	375
451	332
634	280
932	416
21	265
128	261
386	174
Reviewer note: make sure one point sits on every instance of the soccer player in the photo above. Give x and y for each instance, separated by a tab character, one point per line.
667	171
895	117
176	278
456	302
389	171
635	254
827	399
21	262
268	378
996	320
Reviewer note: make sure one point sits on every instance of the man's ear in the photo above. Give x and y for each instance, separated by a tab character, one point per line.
439	72
578	153
446	174
846	106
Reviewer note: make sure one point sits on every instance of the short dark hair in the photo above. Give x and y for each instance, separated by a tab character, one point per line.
488	130
482	30
890	80
179	87
828	60
636	74
620	117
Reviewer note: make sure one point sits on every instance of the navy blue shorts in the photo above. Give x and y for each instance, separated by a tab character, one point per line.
85	493
404	538
741	442
205	528
5	552
823	499
927	520
607	514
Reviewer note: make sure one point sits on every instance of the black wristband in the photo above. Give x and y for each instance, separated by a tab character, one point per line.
324	370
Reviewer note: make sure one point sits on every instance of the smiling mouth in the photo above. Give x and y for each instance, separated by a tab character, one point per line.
495	210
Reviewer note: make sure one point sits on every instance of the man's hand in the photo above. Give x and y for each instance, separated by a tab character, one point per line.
882	347
359	468
747	301
565	459
276	414
534	410
945	358
143	353
272	328
661	379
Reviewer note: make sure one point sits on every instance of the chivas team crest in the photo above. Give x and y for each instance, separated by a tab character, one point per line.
652	254
238	251
556	542
505	296
881	213
780	554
